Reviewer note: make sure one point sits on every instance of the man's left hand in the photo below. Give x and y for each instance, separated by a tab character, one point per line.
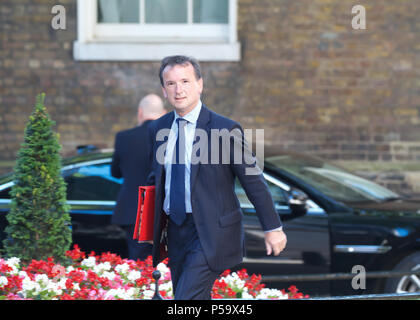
275	241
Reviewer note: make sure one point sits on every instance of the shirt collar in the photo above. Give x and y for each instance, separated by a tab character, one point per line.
192	116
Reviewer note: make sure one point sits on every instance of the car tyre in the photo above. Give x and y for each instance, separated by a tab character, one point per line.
408	283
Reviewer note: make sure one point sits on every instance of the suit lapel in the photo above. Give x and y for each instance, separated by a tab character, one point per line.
203	123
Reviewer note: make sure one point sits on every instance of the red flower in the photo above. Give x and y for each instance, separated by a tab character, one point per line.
242	274
75	254
76	276
225	273
112	258
163	293
40	267
5	268
69	284
14	284
66	296
92	286
293	289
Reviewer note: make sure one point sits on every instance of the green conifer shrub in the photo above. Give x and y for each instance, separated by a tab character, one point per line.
39	220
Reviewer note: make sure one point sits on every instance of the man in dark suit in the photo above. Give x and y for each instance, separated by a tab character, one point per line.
131	161
197	199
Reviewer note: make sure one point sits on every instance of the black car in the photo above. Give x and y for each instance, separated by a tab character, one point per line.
333	219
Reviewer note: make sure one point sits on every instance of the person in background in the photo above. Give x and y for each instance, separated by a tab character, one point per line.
131	161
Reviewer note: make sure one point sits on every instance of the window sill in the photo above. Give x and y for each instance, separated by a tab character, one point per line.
105	51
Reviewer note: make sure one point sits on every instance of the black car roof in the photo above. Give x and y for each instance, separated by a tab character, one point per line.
87	157
96	155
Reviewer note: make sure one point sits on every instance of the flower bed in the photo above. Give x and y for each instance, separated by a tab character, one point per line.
109	277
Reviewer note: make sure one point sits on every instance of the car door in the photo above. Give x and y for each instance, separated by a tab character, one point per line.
307	250
91	194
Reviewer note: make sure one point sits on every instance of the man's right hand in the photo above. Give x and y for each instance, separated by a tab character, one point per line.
275	242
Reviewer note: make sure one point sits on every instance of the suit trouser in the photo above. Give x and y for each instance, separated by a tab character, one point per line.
190	273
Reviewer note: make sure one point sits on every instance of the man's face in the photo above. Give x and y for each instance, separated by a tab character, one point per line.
181	88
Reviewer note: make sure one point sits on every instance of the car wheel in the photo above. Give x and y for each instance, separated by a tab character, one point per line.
409	283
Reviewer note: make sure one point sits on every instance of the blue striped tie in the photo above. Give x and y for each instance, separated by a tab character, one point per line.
177	192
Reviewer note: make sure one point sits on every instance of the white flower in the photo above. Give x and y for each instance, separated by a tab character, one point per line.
30	286
167	287
120	294
62	283
163	268
89	262
54	287
110	294
148	294
133	275
14	264
234	281
13	261
109	275
267	293
122	268
246	295
100	268
42	279
3	281
130	293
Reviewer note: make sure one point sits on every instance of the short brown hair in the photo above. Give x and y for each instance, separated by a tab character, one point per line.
179	60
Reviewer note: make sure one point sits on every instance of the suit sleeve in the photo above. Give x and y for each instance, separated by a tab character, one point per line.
252	180
151	155
115	165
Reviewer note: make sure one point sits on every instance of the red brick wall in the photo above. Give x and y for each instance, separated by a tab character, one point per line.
306	77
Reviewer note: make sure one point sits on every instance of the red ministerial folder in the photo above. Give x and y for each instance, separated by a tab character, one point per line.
143	230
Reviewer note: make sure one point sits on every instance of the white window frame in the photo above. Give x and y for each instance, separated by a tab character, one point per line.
152	42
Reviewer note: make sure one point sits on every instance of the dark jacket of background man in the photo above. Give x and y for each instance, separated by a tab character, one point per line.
131	161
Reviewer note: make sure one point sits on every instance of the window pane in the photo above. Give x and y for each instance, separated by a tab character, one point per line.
92	182
211	11
166	11
118	11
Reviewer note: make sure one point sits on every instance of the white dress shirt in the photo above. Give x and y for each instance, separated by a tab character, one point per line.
189	132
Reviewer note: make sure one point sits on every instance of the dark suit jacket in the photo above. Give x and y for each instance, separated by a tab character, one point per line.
132	162
216	209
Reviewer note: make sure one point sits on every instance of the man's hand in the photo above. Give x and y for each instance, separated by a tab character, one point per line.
275	241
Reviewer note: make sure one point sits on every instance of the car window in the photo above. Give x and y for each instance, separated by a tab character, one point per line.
279	196
6	186
5	193
331	180
92	182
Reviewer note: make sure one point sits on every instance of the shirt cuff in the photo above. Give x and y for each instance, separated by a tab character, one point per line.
277	229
